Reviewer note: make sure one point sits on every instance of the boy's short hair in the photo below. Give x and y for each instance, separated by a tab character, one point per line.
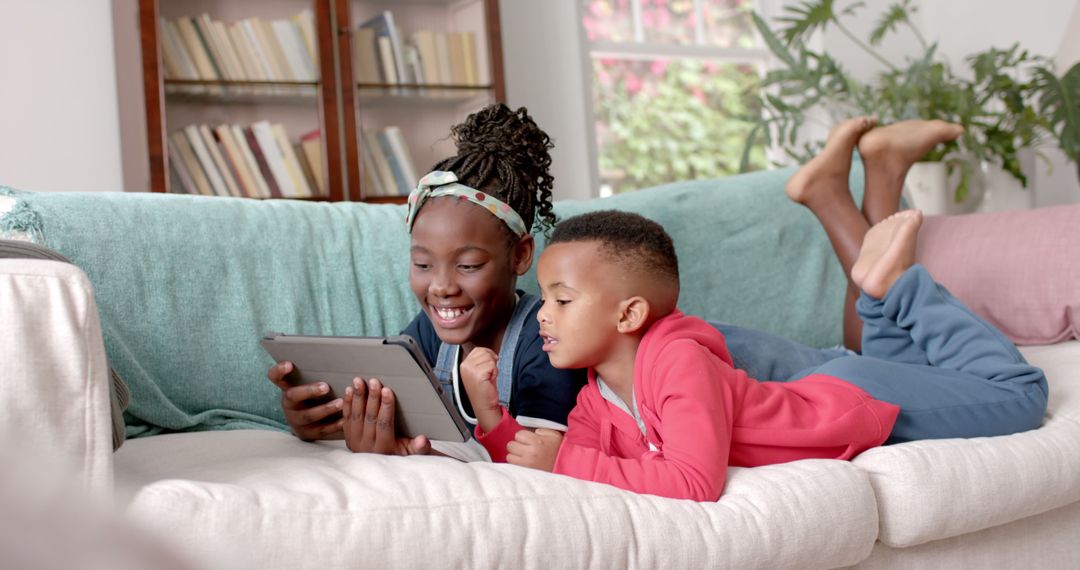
630	240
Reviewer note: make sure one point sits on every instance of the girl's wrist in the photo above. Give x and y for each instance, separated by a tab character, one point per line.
489	418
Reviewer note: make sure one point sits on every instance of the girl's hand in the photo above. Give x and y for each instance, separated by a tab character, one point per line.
479	373
306	408
368	412
536	449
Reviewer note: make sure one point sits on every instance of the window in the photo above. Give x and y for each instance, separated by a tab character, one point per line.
670	81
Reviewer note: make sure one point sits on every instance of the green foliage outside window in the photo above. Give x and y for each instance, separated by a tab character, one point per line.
660	122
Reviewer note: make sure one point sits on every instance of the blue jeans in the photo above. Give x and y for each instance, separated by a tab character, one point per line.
951	373
766	356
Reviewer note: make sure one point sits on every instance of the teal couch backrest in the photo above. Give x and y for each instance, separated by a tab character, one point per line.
186	285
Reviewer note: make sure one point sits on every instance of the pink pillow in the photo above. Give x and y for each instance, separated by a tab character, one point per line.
1019	270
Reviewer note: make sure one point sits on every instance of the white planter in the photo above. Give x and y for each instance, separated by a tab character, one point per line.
930	187
926	188
1003	191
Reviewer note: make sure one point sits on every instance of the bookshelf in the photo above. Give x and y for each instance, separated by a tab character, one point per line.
349	116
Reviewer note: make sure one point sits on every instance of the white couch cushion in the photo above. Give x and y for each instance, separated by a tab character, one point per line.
53	368
929	490
280	500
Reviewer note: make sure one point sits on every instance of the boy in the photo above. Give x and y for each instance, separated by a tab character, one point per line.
665	412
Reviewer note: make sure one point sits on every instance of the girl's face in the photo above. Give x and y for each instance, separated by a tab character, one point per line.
463	271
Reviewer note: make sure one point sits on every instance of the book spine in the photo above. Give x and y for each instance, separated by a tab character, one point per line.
264	165
219	162
272	153
400	182
183	180
240	137
404	159
223	134
382	167
292	164
193	167
203	154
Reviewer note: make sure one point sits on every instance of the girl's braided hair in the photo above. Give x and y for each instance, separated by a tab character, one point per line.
505	154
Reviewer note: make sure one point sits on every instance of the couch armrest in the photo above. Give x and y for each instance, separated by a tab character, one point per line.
53	372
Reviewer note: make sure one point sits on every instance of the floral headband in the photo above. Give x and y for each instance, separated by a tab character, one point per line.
441	183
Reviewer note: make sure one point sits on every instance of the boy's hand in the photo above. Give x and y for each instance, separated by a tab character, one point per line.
535	449
368	411
307	415
479	373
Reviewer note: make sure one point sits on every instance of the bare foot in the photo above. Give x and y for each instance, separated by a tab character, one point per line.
827	173
887	251
894	148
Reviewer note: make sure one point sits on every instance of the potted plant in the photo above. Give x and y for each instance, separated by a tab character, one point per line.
1059	104
992	102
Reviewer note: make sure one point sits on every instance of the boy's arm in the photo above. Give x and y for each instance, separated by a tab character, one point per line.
695	407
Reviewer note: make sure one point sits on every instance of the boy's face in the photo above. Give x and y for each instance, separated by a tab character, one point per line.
580	314
463	272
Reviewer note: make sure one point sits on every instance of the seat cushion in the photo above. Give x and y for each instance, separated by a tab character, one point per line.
935	489
277	500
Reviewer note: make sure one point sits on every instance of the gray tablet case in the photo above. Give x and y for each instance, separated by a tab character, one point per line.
423	407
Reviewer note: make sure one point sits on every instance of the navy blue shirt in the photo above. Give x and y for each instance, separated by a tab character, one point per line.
539	390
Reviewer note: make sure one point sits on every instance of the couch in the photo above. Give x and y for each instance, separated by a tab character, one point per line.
174	292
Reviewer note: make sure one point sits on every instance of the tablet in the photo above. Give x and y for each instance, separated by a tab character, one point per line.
423	407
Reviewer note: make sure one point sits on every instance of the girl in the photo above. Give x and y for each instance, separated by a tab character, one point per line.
470	221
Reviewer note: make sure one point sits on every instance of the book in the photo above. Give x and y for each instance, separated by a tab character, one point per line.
309	175
182	179
311	144
456	42
424	40
442	52
306	21
276	51
217	56
179	139
292	163
209	48
171	35
403	157
386	56
372	183
252	66
217	184
382	167
231	151
401	183
195	47
471	74
366	66
263	163
384	27
275	159
412	62
223	168
228	50
250	162
169	57
292	47
254	41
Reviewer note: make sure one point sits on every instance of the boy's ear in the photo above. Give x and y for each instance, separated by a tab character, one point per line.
633	314
523	254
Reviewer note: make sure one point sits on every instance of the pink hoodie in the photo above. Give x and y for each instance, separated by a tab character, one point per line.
701	415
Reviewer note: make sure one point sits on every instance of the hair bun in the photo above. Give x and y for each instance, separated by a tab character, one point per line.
498	131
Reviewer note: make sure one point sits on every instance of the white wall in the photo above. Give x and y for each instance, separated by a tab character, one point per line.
544	68
59	126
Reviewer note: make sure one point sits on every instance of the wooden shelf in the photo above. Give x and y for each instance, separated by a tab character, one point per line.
337	101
